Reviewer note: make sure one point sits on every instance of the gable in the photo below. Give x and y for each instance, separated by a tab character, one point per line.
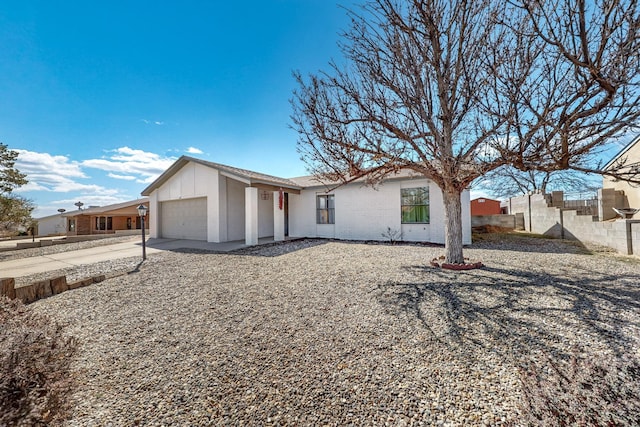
630	154
242	175
190	180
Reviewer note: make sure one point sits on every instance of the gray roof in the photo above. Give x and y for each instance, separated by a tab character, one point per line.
251	176
298	183
311	181
100	209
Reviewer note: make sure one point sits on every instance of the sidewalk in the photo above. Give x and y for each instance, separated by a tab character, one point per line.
40	264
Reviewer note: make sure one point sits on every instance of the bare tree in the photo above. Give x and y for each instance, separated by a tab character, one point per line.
507	181
455	89
583	87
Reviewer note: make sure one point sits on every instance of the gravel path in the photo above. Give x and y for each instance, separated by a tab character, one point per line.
330	333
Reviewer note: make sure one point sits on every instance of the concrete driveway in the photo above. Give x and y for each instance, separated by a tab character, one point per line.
43	263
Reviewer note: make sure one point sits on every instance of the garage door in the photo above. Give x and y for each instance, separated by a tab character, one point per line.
184	219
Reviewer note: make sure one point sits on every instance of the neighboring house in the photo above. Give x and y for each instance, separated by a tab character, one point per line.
201	200
120	218
629	156
484	206
51	225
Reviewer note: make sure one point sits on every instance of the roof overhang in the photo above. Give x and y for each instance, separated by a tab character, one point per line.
240	175
622	152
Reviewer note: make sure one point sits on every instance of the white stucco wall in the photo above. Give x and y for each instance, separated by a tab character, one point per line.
193	180
235	209
631	191
364	213
265	213
52	225
361	213
302	214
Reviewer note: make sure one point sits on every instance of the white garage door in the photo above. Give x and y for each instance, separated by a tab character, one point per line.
184	219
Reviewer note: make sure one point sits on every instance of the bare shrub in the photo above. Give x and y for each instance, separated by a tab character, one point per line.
392	235
599	391
34	367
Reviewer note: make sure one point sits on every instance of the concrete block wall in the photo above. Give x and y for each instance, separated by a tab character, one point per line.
504	221
635	237
544	219
609	198
518	204
609	233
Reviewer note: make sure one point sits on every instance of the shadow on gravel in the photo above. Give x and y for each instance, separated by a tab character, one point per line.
528	243
516	311
136	269
571	339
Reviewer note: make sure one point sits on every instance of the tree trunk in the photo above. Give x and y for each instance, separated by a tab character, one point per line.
453	227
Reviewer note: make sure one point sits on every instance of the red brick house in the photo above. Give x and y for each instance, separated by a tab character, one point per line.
484	206
120	217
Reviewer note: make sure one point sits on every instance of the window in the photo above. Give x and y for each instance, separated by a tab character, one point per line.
415	205
72	225
104	223
325	209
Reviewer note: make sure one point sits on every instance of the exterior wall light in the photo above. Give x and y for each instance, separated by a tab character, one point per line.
142	211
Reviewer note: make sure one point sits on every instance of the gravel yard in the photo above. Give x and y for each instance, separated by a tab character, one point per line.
333	333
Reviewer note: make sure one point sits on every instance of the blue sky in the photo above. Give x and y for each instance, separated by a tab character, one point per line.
100	97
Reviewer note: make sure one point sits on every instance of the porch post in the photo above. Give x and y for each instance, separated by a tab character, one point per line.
251	216
278	217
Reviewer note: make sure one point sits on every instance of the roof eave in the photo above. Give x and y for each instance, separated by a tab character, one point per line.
621	153
164	177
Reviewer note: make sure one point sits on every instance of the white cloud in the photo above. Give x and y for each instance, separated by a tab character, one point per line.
125	177
125	161
55	173
194	150
51	173
52	207
31	162
149	122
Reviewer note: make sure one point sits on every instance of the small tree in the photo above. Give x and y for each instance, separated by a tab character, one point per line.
455	89
10	177
14	210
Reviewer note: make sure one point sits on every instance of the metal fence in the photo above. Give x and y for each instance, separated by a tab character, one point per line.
582	206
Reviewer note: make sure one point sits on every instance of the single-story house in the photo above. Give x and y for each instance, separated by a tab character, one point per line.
120	218
629	156
201	200
484	206
52	225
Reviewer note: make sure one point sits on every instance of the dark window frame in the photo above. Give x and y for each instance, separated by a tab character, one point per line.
325	209
104	223
414	205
